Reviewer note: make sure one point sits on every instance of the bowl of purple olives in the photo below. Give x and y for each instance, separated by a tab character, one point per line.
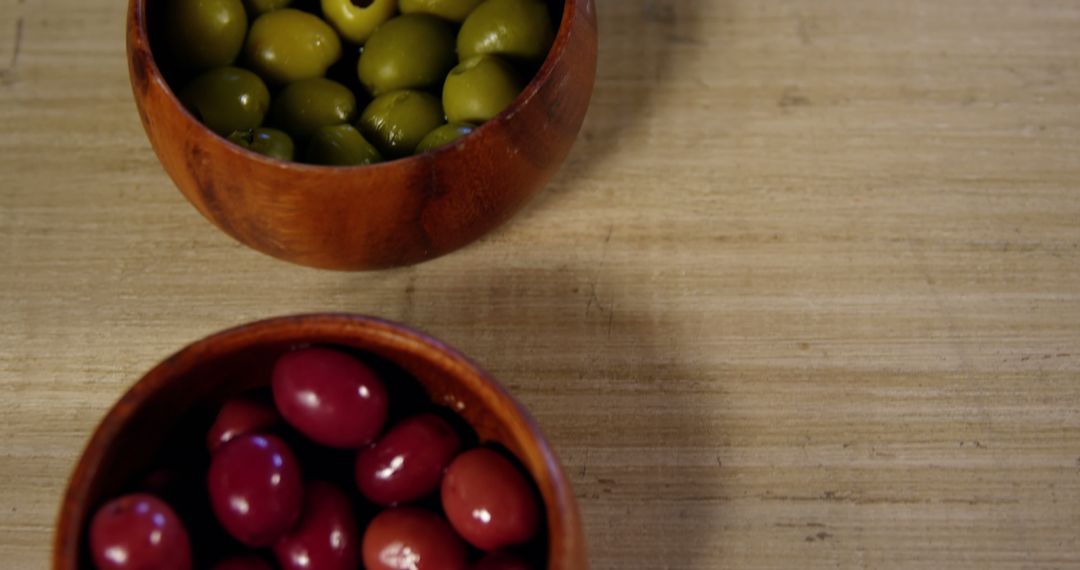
361	134
318	442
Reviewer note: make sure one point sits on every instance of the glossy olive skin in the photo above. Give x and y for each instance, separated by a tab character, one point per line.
329	396
242	563
238	417
479	88
340	145
268	142
411	51
502	561
516	29
326	536
451	10
255	488
205	33
443	136
302	107
407	463
289	45
139	532
356	23
413	539
227	99
488	501
257	7
397	121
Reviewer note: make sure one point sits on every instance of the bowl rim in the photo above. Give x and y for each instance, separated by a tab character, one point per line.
137	31
74	507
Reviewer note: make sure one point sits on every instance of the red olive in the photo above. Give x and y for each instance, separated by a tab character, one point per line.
242	563
502	561
255	488
239	417
408	462
488	501
326	537
139	532
407	538
329	396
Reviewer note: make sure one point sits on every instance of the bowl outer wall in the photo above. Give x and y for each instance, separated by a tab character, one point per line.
384	215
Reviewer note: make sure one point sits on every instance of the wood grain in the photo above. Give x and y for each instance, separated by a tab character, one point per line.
806	293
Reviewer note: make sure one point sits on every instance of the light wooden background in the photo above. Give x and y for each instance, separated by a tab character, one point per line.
805	295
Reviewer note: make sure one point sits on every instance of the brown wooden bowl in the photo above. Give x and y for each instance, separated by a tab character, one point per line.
196	380
384	215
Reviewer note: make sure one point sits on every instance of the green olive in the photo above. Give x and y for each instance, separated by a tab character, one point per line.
227	99
269	142
479	88
452	10
412	51
443	136
397	121
306	105
516	29
355	21
205	33
289	45
340	145
257	7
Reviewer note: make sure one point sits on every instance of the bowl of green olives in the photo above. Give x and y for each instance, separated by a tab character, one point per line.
321	441
361	134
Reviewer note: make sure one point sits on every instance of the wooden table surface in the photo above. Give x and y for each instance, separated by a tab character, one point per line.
806	293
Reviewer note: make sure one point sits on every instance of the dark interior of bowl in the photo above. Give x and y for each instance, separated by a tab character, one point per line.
343	72
154	439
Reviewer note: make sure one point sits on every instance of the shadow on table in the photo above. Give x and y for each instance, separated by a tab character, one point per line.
603	377
644	46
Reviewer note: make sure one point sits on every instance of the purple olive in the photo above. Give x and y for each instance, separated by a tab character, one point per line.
408	462
488	501
255	488
139	532
331	397
326	537
407	538
238	417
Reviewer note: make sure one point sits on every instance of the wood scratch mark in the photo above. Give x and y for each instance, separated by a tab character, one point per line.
800	525
1028	357
819	536
802	28
594	300
833	497
7	75
663	14
791	97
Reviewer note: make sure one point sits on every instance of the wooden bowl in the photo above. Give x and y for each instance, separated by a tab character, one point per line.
384	215
197	379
